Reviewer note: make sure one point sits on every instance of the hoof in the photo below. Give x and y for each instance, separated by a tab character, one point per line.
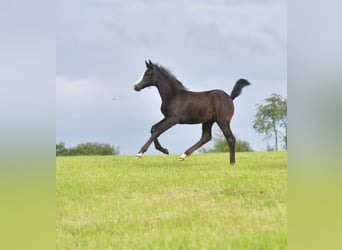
164	151
138	156
182	157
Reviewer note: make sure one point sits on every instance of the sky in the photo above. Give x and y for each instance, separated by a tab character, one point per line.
101	47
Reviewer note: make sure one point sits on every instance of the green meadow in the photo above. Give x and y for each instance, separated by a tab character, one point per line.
157	202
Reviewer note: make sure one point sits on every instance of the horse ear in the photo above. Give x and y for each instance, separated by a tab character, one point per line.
151	64
147	66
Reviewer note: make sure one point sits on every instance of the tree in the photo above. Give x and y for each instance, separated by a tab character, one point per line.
271	119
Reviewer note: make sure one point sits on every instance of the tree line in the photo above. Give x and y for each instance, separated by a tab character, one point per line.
88	148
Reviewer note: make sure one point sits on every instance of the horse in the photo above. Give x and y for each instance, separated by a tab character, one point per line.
181	106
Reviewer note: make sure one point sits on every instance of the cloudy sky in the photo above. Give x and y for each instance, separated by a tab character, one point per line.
102	45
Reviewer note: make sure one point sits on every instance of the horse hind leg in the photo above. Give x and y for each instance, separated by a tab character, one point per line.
206	136
228	134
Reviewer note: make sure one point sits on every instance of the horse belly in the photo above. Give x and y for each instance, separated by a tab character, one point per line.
196	112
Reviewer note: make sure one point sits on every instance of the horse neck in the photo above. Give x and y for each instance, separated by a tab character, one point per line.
167	90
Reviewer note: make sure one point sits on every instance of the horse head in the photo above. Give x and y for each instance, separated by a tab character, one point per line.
148	78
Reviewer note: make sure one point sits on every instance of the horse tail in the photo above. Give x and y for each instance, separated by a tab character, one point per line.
241	83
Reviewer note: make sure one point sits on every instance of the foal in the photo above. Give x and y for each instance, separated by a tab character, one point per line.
180	106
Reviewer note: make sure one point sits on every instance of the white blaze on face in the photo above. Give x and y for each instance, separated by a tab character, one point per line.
139	80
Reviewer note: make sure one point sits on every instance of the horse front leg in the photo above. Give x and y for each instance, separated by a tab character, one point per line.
156	130
156	142
159	147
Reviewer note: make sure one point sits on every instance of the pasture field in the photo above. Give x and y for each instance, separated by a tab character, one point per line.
119	202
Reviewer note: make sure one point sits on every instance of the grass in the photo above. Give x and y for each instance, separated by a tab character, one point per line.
119	202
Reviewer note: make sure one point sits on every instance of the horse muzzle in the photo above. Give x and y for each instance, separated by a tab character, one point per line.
136	87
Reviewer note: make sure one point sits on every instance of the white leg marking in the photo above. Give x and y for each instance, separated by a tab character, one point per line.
138	156
182	157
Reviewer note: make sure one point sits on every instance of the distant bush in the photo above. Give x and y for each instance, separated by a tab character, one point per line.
61	150
88	148
221	145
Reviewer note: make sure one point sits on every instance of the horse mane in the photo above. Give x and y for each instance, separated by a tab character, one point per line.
170	76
